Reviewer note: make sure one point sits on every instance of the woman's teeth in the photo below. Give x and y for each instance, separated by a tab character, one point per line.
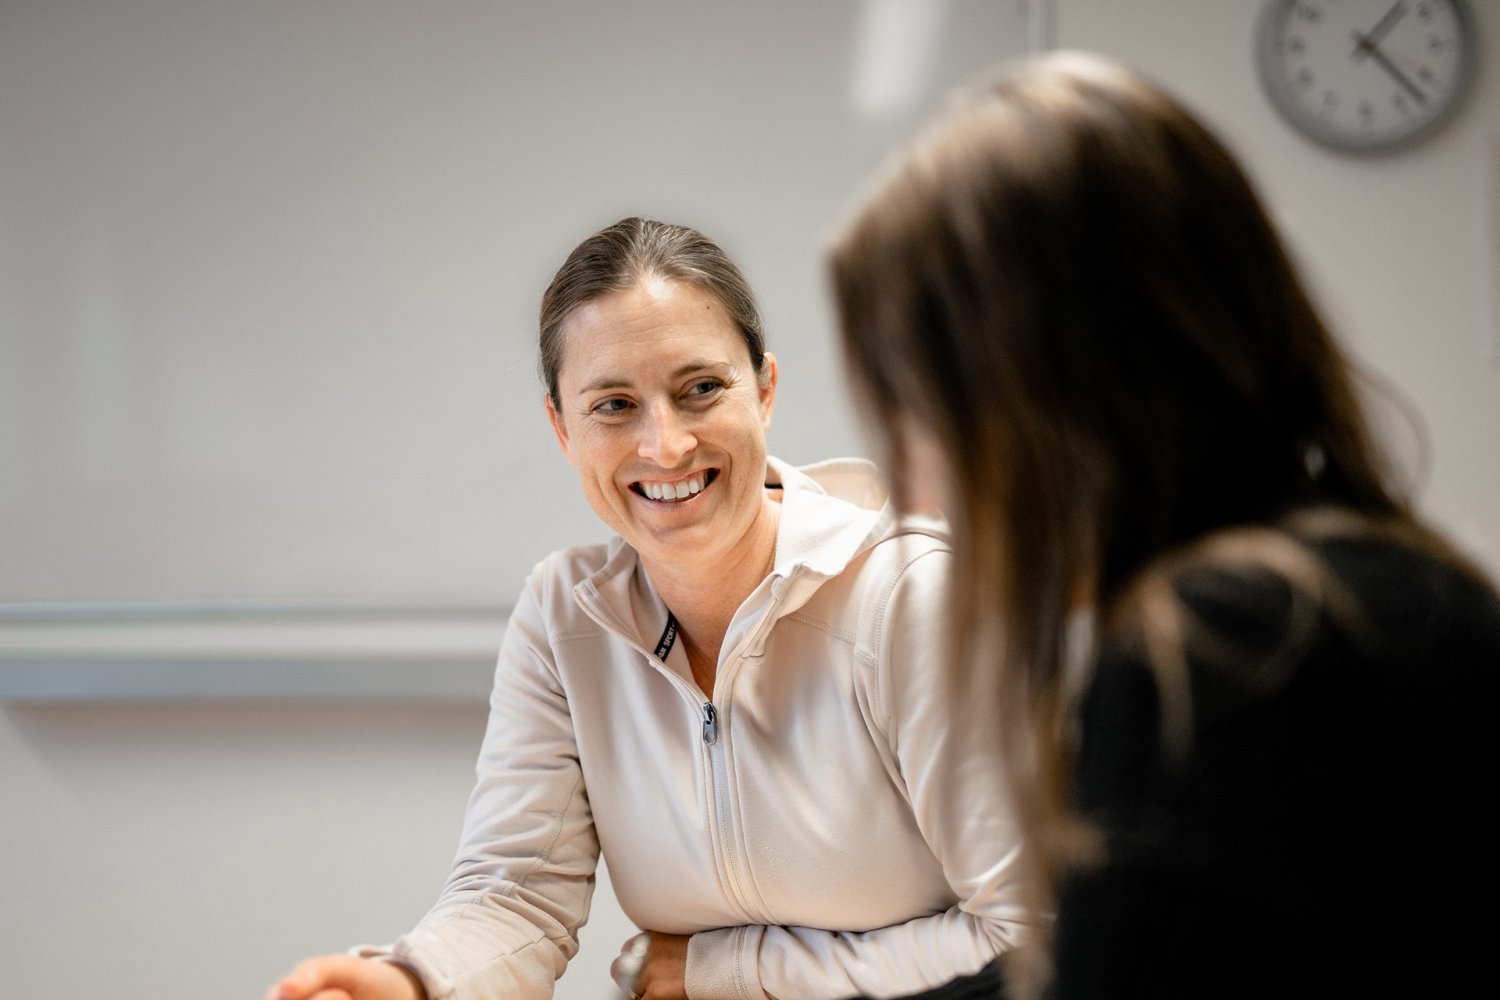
673	491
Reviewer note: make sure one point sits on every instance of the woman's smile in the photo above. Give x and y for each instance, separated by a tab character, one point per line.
677	491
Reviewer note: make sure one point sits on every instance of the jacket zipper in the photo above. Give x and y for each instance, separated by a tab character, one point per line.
725	845
725	839
728	841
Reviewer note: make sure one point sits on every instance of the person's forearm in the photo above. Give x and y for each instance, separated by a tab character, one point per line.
757	962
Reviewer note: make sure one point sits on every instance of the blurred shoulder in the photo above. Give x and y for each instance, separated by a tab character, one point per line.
1393	590
1347	599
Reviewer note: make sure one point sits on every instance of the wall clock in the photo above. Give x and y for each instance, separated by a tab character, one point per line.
1365	76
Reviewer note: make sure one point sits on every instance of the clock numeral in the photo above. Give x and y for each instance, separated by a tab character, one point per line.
1295	45
1437	44
1425	74
1303	79
1400	103
1366	113
1424	11
1310	12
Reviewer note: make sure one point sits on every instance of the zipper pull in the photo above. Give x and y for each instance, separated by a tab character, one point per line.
710	724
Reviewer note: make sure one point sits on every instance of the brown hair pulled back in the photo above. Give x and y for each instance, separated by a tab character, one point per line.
624	254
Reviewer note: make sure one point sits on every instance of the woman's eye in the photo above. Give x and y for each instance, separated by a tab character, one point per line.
610	406
706	387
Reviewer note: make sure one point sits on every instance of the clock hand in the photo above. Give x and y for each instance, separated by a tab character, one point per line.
1382	27
1363	46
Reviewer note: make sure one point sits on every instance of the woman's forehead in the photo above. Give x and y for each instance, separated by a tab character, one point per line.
655	327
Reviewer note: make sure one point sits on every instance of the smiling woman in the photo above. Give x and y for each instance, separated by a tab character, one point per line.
666	426
743	700
664	416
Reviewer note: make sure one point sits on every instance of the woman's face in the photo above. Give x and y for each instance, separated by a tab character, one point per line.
662	414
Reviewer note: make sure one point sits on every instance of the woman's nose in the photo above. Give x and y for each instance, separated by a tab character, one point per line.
665	437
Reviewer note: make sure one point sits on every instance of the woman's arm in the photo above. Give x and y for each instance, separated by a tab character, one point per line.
508	918
937	725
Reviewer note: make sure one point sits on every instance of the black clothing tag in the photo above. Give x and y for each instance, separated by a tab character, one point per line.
668	638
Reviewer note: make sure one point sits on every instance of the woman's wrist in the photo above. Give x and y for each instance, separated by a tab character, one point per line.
409	974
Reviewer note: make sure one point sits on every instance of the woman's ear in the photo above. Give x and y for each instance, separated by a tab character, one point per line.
767	380
557	427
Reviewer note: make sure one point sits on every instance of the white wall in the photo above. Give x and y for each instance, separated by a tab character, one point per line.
269	271
160	851
1401	250
268	282
163	852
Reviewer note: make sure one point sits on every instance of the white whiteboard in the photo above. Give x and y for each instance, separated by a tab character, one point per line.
269	271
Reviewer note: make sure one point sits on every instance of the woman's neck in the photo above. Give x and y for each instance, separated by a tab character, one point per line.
703	596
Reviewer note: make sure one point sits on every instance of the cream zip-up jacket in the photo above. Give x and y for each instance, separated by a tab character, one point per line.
832	823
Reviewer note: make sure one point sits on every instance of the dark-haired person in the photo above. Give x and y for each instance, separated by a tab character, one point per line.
1248	695
743	699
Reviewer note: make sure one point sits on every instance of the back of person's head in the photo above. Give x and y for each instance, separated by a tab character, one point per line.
1070	285
619	257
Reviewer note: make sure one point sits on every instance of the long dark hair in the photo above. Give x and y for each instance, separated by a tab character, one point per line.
1071	285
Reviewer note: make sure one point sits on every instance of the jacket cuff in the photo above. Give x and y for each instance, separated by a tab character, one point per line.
724	965
433	986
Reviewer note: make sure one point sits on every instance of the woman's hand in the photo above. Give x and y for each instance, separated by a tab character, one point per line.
663	968
345	977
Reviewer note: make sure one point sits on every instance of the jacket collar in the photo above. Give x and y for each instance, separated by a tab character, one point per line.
831	512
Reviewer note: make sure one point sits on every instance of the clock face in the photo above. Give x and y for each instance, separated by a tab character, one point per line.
1365	75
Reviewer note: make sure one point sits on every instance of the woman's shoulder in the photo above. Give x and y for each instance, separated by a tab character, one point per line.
1411	589
897	580
1269	656
1393	593
905	553
576	562
1265	619
553	579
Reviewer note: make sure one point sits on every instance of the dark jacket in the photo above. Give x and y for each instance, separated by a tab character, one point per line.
1327	831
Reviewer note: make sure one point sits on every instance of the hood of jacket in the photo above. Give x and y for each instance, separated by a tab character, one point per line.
831	513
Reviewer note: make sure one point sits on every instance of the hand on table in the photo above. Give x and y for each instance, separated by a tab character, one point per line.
345	977
663	969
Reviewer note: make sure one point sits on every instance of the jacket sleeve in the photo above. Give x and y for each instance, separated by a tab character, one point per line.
507	921
936	726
